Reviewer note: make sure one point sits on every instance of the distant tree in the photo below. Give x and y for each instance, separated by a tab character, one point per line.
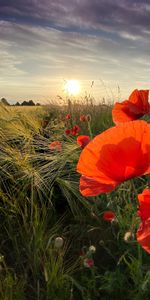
4	101
17	104
31	103
24	103
38	104
28	103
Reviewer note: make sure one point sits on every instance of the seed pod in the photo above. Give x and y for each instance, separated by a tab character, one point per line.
58	242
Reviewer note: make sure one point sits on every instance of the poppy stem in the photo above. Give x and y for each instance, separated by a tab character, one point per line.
140	254
70	111
89	129
95	205
140	261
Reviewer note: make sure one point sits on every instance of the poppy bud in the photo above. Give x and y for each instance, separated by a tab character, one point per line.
67	131
92	249
108	215
88	262
83	118
68	117
58	242
83	140
128	237
88	118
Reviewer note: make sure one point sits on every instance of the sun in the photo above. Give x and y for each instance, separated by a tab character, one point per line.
72	87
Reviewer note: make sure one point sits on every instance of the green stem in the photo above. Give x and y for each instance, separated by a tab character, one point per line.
133	189
89	129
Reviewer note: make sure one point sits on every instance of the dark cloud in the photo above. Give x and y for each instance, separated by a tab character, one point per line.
46	40
110	16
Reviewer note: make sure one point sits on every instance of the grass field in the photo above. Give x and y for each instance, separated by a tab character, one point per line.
55	243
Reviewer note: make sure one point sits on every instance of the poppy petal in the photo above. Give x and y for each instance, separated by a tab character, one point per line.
131	109
143	235
140	99
83	140
90	187
144	204
117	153
123	112
109	215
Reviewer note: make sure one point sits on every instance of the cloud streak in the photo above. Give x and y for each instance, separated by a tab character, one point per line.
110	15
44	42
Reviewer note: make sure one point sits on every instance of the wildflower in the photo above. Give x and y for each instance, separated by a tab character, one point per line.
143	235
67	131
144	204
68	117
75	130
83	118
58	242
88	262
131	109
108	215
128	236
56	145
118	154
143	232
92	249
83	140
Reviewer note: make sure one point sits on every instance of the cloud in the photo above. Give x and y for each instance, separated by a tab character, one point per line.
45	42
109	16
86	13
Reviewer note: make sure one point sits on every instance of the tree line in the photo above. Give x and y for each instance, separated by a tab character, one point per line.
3	101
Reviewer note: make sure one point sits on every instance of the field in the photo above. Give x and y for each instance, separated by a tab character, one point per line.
55	244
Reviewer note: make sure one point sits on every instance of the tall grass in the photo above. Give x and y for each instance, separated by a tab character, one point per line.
40	200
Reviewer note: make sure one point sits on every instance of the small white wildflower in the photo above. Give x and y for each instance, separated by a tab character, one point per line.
92	249
128	236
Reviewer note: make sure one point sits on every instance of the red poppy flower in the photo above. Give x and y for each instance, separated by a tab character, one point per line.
68	117
88	262
83	140
114	156
83	118
144	204
56	145
67	131
75	130
108	215
131	109
143	233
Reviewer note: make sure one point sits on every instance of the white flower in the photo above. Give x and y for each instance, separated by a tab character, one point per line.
92	249
129	236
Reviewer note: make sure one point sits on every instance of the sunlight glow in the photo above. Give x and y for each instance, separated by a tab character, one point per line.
72	87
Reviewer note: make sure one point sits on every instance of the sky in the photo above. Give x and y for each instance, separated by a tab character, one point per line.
44	43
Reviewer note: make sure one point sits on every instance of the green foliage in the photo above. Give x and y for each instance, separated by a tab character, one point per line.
40	200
